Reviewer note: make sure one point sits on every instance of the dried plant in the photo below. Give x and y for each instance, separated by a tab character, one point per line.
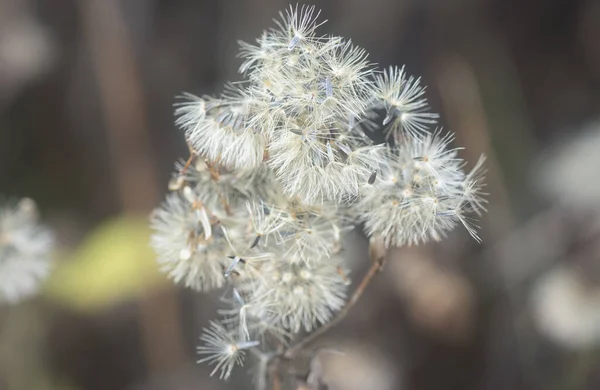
282	165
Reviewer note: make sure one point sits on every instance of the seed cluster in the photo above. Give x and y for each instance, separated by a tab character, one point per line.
283	165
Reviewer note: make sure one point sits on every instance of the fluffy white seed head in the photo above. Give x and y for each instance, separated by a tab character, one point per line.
223	349
422	193
218	129
283	166
302	232
253	320
301	297
298	25
25	251
319	168
189	242
403	98
222	189
315	90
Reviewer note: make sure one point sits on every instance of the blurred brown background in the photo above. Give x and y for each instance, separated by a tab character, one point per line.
86	129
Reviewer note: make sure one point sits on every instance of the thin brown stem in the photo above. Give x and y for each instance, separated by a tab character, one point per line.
275	372
376	266
276	379
189	162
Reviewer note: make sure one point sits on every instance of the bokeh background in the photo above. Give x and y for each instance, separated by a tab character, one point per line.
86	129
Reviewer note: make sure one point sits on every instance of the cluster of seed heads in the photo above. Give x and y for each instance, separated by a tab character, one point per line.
282	166
25	249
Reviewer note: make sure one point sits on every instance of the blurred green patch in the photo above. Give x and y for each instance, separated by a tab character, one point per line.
114	263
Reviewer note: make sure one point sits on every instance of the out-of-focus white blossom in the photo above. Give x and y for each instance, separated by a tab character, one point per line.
567	171
354	366
566	309
25	251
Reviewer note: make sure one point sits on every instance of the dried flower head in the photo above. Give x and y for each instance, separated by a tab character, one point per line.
282	166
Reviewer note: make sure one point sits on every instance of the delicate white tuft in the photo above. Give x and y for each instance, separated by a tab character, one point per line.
222	349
